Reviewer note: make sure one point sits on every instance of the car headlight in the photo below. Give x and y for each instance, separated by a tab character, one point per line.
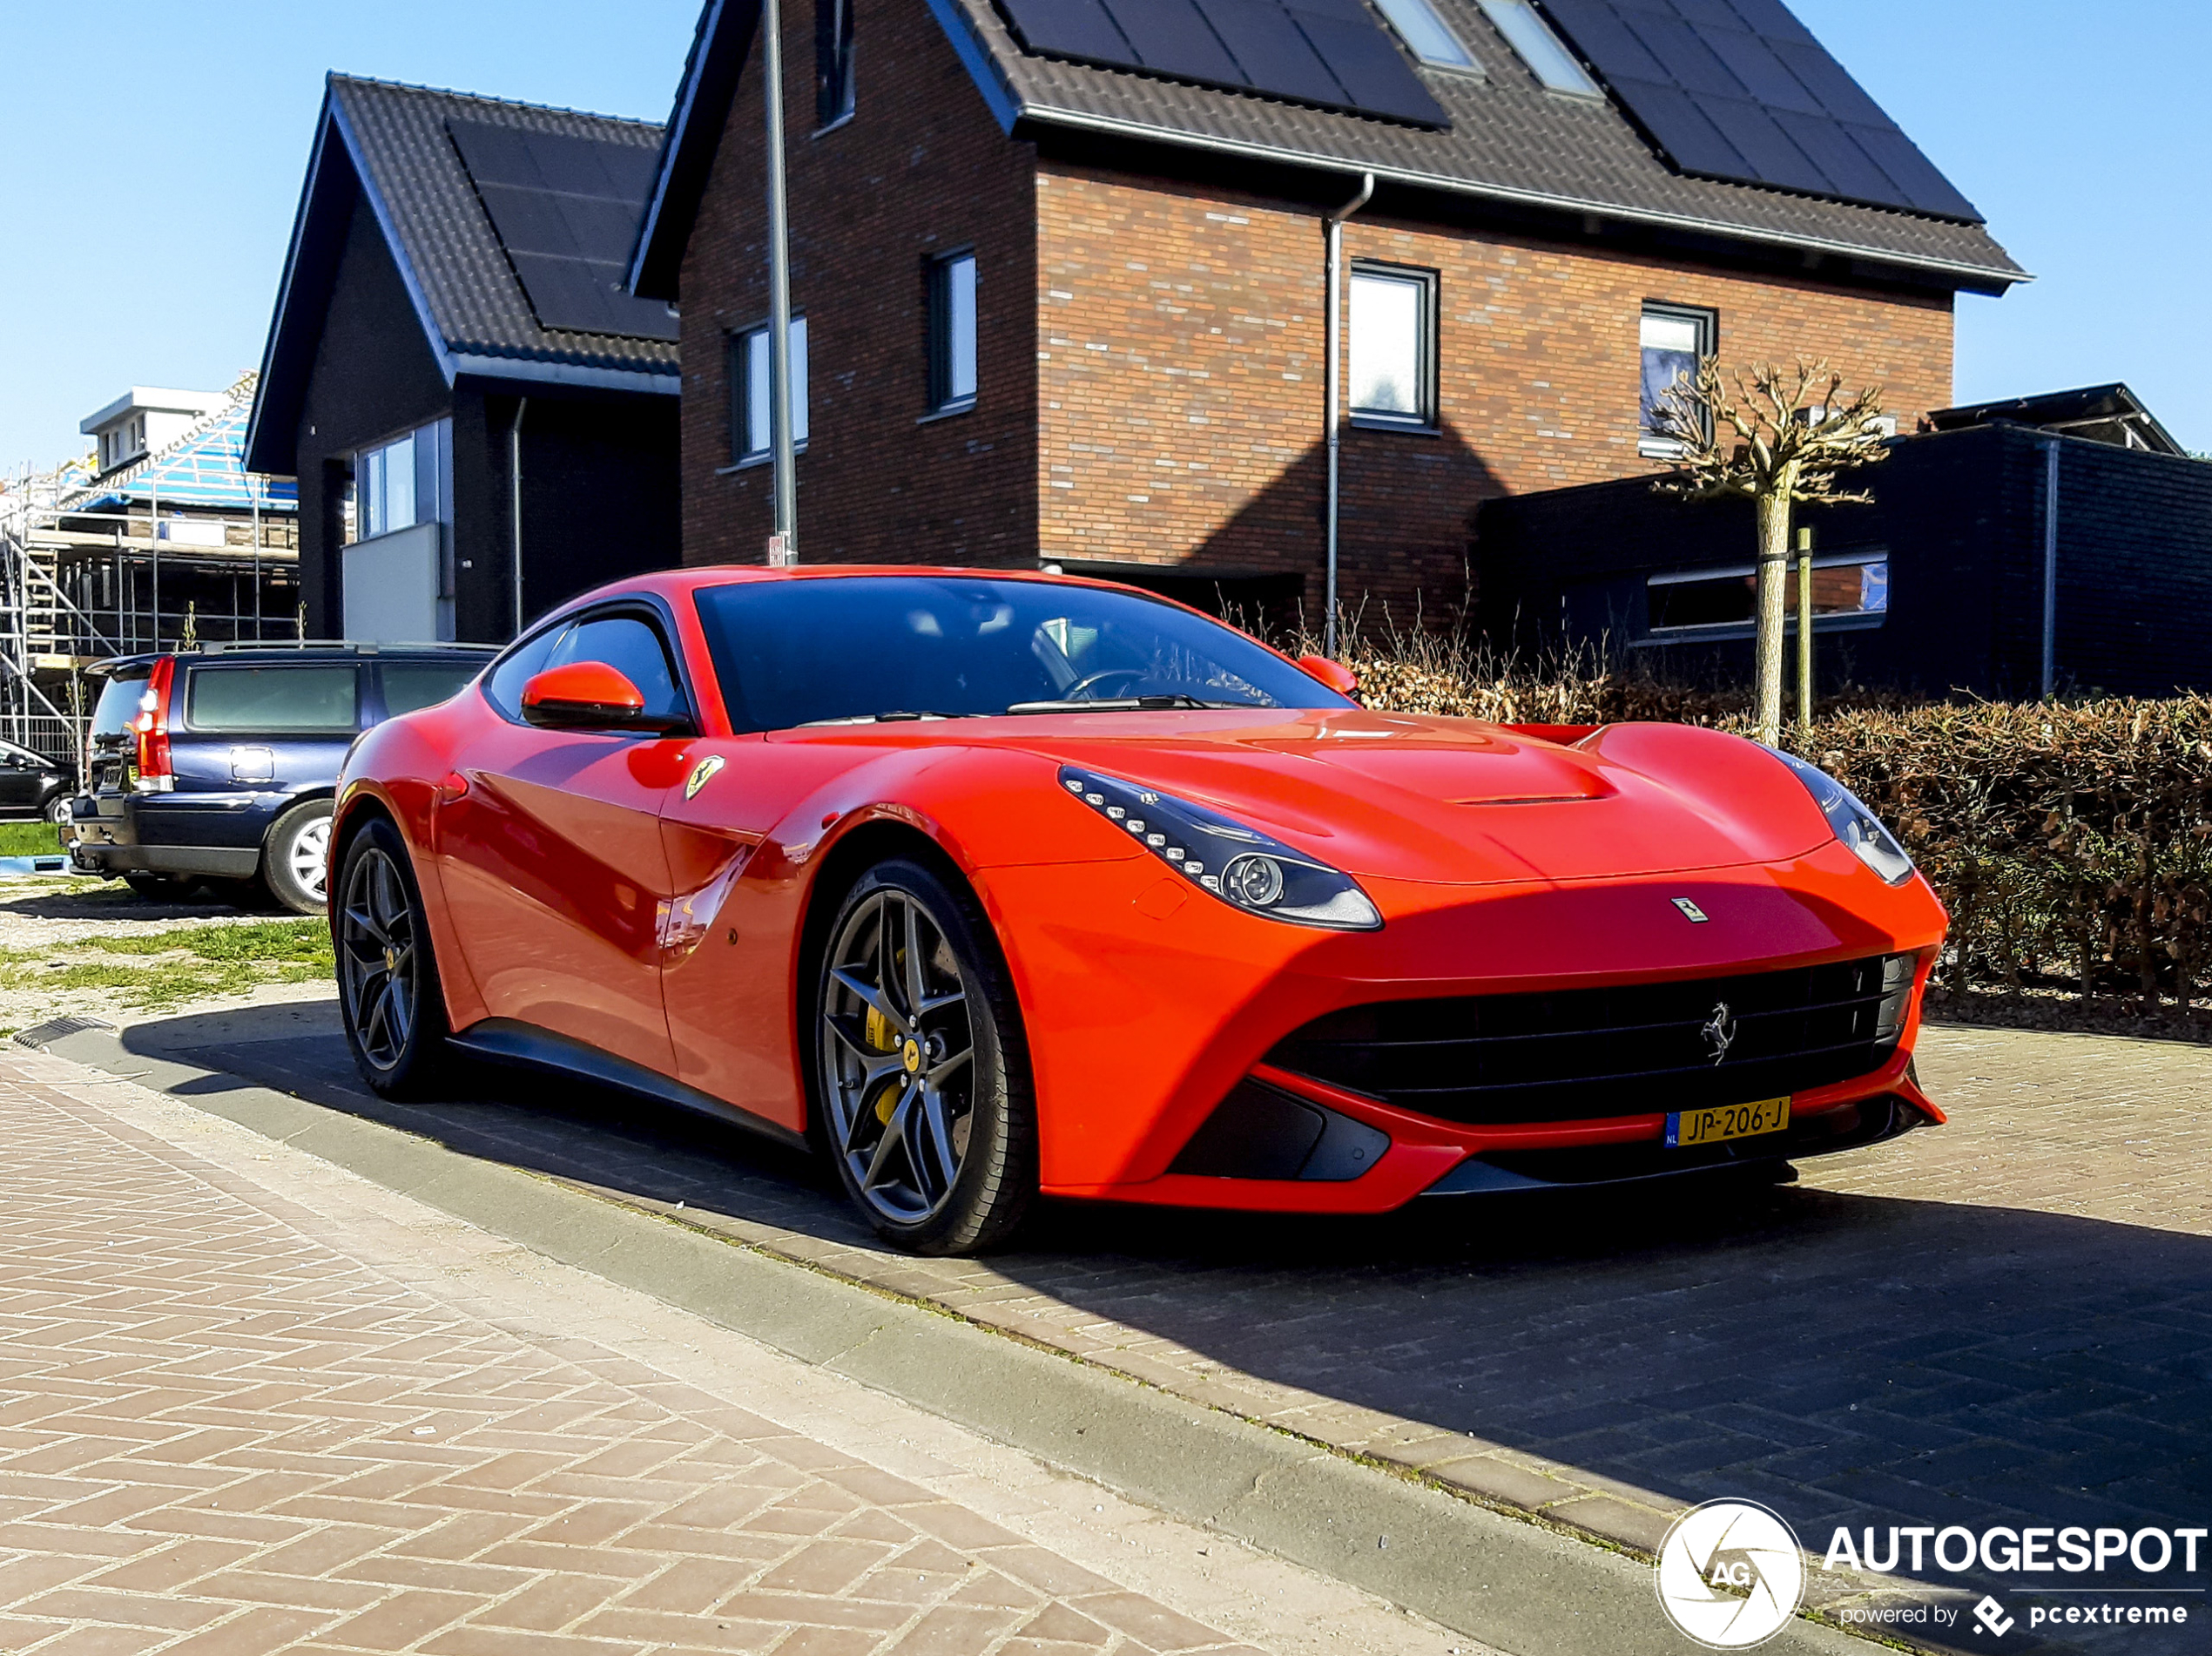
1241	866
1855	825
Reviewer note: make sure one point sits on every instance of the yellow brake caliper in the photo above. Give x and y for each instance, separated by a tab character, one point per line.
883	1038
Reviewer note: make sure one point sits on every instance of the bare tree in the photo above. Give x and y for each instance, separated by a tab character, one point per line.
1775	435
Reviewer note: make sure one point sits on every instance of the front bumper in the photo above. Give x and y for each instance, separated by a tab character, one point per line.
1147	1002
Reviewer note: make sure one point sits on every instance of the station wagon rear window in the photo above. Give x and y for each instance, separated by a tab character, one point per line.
273	700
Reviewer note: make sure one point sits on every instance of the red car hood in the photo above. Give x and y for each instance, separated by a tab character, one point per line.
1447	800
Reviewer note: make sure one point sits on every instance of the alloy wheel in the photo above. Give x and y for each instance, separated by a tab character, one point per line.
897	1057
376	958
308	857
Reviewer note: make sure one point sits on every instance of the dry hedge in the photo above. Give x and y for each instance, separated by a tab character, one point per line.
2071	841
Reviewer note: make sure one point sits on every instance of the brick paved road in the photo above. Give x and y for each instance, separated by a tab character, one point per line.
277	1407
2002	1321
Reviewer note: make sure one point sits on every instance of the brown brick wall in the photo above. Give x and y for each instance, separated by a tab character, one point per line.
1180	365
922	168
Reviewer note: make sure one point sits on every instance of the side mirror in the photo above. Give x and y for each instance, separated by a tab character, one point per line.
590	695
1334	674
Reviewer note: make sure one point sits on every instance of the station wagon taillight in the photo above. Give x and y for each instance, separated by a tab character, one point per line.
153	773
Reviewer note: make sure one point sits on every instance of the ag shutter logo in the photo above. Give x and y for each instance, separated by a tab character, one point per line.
1991	1614
1730	1574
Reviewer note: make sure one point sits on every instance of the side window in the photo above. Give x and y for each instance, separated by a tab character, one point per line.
1393	347
630	646
503	688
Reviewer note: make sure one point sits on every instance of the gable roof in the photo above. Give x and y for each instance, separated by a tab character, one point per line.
388	146
205	467
1510	142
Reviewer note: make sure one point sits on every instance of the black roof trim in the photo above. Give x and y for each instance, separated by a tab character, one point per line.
708	86
2109	414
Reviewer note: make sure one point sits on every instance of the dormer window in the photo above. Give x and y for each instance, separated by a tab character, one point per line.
1432	39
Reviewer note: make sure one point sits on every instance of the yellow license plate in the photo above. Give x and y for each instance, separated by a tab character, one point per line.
1725	1121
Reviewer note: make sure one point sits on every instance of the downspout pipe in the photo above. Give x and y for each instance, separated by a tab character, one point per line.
2050	567
515	504
1333	261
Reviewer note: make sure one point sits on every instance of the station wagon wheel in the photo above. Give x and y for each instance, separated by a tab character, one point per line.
295	857
387	979
923	1105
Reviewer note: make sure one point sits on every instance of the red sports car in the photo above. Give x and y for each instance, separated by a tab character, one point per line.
989	884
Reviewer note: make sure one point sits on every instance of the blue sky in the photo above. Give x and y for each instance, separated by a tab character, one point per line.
150	168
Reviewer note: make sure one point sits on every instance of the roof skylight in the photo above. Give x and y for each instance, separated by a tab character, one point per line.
1431	40
1526	30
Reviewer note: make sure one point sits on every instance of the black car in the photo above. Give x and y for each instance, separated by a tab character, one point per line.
219	766
33	785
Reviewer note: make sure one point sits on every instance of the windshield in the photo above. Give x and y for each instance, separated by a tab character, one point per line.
817	652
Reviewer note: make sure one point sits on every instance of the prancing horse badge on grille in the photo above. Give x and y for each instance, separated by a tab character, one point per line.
1719	1030
1696	915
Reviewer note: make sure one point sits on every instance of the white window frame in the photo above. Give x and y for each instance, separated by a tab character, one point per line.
1538	45
1428	37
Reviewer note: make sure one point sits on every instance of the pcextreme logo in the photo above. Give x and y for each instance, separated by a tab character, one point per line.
1730	1574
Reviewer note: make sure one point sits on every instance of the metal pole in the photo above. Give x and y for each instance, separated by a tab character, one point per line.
1332	261
254	499
783	545
153	550
1805	637
2050	568
514	504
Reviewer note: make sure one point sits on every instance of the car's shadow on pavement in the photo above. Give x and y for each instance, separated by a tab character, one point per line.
1847	1359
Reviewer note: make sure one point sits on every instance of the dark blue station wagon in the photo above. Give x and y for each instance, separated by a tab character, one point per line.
218	767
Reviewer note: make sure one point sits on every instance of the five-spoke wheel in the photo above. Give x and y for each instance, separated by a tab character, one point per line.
386	979
926	1115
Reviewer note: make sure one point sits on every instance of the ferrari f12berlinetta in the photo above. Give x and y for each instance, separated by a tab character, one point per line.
990	884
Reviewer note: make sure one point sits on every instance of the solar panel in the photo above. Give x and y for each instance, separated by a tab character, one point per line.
1739	90
1332	53
565	208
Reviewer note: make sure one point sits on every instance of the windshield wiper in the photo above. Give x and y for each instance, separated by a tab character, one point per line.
884	718
1124	703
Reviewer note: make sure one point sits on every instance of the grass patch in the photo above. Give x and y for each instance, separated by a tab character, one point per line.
181	963
29	840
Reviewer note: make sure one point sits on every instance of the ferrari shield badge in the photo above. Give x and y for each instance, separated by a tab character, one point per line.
1691	911
702	773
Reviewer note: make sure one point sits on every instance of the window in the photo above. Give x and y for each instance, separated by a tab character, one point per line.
952	333
264	700
410	685
1421	29
1846	586
832	62
503	684
404	482
788	654
631	645
1527	33
749	392
1674	340
1393	347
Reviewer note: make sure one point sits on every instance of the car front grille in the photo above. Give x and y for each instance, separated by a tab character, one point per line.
1638	1048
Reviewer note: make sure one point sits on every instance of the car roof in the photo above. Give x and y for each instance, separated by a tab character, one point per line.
316	650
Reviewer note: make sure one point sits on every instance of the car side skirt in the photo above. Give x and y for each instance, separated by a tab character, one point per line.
509	1041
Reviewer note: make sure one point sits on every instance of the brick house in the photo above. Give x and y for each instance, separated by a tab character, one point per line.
1066	313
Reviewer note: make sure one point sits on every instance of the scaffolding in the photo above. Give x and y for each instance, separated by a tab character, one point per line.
84	585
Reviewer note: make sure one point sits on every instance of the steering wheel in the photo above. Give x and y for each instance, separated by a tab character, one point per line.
1080	691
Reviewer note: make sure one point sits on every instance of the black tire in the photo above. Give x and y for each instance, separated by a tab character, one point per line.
388	995
938	1150
159	888
54	808
295	857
